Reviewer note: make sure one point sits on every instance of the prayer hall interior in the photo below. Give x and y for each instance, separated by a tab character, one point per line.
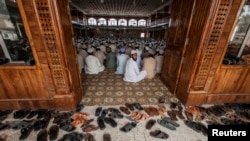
123	70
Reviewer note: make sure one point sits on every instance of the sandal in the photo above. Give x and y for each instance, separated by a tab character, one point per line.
171	121
98	111
130	106
87	122
42	135
159	134
172	115
166	124
128	127
100	122
106	137
138	106
66	127
125	110
110	121
150	124
25	132
53	132
90	128
73	136
89	137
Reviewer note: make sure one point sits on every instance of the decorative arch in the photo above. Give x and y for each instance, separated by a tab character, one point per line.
112	22
102	21
132	22
142	22
91	21
122	22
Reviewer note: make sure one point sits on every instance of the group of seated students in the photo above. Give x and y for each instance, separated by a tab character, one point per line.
135	59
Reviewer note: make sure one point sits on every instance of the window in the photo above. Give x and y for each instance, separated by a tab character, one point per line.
102	22
132	22
91	21
122	22
239	44
112	22
13	40
142	22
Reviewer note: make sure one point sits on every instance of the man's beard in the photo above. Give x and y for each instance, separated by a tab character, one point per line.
134	59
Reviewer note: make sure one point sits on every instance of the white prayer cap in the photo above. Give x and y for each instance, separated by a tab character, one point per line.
147	48
161	51
90	50
133	51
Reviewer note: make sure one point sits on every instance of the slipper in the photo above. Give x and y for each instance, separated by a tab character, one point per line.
98	111
104	112
21	114
110	121
53	132
106	137
90	128
73	136
4	126
100	122
166	124
66	127
128	127
150	124
87	122
192	125
172	115
25	132
115	115
138	106
170	121
125	110
130	106
41	113
42	135
32	114
159	134
89	137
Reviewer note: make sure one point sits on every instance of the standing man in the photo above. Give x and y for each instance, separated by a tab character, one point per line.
110	59
122	59
132	73
92	63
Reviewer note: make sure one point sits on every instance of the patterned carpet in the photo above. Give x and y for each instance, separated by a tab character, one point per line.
108	88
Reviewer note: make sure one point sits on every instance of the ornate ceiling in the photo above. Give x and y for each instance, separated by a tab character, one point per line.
128	8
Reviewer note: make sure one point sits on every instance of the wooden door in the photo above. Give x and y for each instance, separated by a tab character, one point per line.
177	38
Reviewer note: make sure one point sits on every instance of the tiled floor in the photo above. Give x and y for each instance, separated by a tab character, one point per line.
107	88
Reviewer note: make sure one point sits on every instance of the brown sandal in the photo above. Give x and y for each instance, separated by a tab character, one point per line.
124	110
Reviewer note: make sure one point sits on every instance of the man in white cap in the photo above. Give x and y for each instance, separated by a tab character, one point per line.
132	73
92	63
122	59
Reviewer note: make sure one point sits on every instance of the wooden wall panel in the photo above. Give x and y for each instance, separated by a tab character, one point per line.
231	80
22	84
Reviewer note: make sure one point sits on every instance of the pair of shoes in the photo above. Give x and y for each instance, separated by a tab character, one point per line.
42	135
168	123
139	116
115	113
73	136
106	137
138	106
21	114
130	106
159	134
53	132
128	127
110	121
125	110
197	126
150	124
25	132
151	111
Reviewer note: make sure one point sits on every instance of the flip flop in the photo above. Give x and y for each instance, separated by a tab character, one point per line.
150	124
100	122
128	127
90	128
110	121
159	134
89	137
42	135
66	127
170	121
125	110
73	136
130	106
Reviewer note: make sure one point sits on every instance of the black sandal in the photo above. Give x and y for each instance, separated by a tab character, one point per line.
150	124
25	132
128	127
159	134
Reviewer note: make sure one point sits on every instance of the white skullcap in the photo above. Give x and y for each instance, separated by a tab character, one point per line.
147	48
133	51
161	51
90	50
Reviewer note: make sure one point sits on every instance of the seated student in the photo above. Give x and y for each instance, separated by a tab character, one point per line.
110	59
132	73
149	65
92	63
122	59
